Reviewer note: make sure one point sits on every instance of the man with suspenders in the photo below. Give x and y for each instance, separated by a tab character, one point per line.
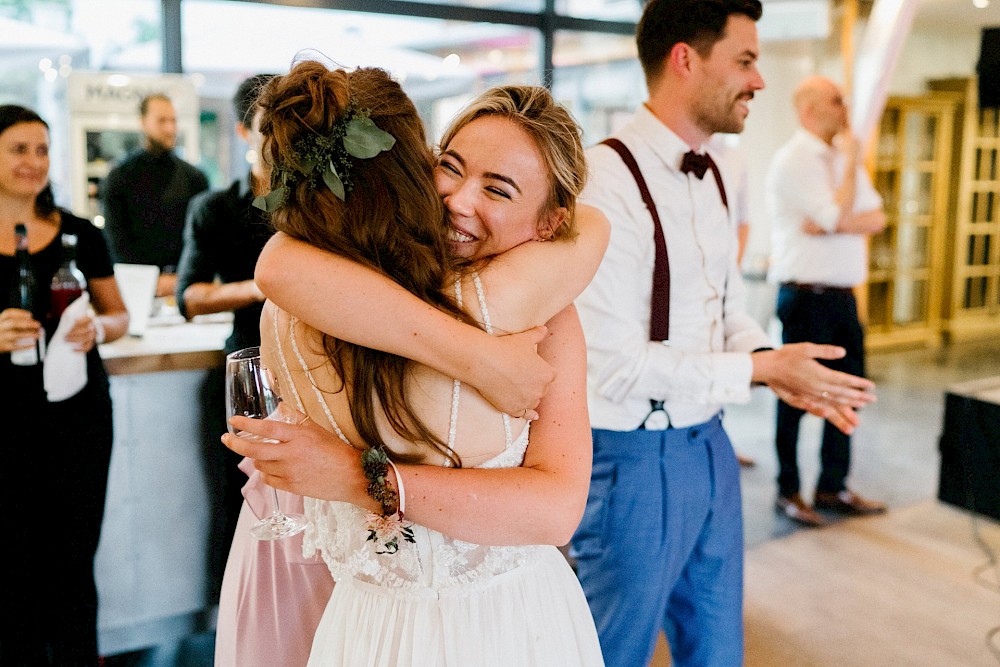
669	342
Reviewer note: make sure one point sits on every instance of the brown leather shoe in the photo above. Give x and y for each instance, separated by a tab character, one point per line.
848	502
796	509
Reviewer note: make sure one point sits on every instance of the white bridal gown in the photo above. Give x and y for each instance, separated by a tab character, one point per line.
439	601
445	602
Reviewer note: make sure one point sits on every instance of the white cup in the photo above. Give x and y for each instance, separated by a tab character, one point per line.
137	284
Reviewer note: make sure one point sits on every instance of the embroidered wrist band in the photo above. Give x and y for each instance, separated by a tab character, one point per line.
375	464
387	530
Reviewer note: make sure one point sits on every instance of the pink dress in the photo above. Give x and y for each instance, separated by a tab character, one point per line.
272	597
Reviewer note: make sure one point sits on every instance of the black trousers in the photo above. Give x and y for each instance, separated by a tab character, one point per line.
828	316
52	485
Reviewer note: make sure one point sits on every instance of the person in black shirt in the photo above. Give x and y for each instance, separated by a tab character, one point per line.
57	448
223	237
146	196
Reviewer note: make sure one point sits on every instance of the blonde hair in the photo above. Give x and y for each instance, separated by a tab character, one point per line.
556	133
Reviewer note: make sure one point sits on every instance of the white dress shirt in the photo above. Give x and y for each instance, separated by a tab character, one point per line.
801	183
706	361
732	163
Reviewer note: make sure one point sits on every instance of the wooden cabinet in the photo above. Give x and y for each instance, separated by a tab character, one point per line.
972	307
907	261
934	273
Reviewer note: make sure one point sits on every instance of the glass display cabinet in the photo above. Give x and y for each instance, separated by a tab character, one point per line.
973	304
907	261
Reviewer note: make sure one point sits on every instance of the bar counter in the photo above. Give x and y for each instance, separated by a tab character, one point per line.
170	344
151	561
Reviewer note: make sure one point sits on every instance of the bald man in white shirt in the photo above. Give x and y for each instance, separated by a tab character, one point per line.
660	546
822	205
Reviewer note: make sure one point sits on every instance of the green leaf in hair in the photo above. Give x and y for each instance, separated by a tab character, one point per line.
333	181
363	139
272	201
353	136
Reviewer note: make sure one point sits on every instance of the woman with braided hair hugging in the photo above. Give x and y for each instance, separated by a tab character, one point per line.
436	518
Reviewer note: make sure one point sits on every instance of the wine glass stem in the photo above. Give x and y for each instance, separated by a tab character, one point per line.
277	507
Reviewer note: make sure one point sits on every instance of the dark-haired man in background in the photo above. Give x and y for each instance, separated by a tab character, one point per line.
223	238
146	196
661	541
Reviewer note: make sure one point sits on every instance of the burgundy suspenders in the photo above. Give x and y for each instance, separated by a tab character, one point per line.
659	312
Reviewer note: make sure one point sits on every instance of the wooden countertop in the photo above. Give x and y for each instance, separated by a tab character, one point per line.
170	344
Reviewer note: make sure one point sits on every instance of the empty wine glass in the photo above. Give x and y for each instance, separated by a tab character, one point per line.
251	391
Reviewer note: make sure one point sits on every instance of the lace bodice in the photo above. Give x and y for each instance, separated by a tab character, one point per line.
434	562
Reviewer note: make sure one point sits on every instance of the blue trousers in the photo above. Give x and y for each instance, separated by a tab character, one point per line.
661	546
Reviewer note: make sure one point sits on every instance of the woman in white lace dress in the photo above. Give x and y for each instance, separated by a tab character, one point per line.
475	579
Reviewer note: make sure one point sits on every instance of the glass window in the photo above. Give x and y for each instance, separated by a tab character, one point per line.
503	5
599	78
123	35
440	63
43	45
607	10
43	42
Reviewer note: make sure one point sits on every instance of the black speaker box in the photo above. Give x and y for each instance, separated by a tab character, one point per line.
989	68
970	455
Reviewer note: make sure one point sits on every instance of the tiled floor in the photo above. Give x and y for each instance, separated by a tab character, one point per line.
894	453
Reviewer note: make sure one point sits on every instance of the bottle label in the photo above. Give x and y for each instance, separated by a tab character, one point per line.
29	356
61	298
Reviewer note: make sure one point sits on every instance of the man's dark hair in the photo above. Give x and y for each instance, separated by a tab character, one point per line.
246	97
144	104
700	23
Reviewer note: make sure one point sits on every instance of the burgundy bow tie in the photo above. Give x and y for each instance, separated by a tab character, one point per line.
696	164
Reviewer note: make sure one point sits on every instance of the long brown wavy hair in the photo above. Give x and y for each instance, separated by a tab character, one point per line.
392	220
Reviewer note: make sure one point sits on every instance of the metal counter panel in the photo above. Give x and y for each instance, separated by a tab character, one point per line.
151	561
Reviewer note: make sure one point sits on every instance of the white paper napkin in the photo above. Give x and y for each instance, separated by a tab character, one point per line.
64	370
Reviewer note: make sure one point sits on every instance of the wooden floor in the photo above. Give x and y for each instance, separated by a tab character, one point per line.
892	591
910	588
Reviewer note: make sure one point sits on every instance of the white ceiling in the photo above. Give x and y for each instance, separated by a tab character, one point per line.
955	16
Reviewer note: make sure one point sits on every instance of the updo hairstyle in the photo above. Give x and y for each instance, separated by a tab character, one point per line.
391	220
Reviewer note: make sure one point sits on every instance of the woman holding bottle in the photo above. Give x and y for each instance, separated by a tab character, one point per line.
58	432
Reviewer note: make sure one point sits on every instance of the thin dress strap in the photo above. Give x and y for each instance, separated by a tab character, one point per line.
457	384
300	406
